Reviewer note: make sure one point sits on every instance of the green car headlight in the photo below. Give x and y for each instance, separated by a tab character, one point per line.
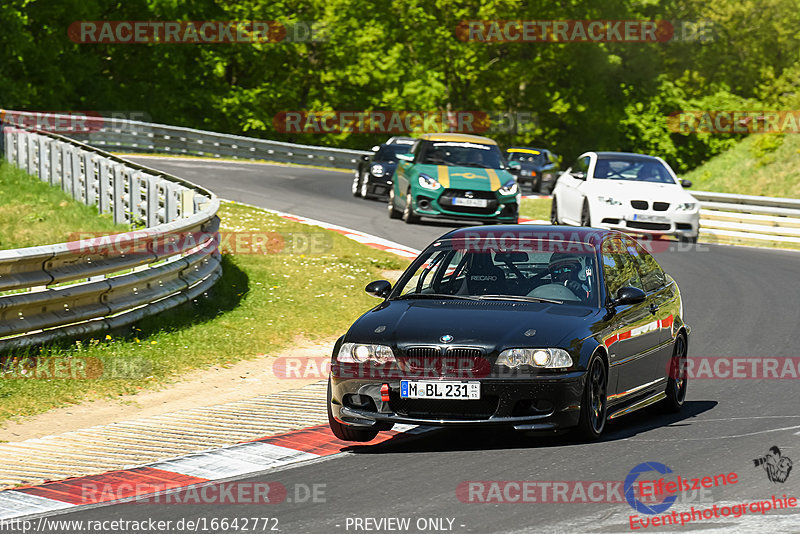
509	188
544	358
428	183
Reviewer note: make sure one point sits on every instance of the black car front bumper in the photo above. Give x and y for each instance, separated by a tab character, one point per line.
533	402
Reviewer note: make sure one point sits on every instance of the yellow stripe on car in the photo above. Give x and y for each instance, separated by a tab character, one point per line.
524	150
494	180
444	175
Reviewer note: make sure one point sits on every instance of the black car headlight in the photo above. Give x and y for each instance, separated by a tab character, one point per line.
364	352
377	170
544	358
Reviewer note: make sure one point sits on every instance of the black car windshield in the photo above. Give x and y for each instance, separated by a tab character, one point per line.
537	158
461	154
390	152
633	170
485	268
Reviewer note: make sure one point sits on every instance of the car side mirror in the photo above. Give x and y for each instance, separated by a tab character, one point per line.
686	183
629	295
580	175
376	148
513	170
379	288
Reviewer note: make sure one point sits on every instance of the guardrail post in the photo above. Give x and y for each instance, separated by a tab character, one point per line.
103	186
90	180
54	159
44	144
8	143
66	169
135	196
152	200
77	193
187	202
117	193
29	146
170	202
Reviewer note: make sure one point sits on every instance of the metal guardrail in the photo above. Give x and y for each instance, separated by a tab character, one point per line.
82	287
136	136
735	216
748	217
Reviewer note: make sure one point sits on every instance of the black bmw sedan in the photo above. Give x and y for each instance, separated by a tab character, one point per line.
534	327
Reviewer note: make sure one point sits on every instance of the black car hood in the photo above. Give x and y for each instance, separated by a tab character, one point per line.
490	324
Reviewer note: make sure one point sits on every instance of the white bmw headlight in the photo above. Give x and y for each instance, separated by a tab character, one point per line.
364	352
509	188
687	206
611	201
377	170
428	183
547	358
524	172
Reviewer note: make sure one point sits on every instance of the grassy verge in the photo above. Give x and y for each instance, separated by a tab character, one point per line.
760	164
262	304
538	208
35	213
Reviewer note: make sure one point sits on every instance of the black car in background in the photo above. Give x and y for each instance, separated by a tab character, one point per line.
536	328
373	176
538	167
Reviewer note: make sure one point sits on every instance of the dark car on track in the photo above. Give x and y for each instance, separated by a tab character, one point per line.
533	327
538	167
373	176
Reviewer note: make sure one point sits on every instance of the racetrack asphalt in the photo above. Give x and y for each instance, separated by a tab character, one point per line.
740	302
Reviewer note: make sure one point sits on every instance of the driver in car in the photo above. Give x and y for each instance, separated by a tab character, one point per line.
564	270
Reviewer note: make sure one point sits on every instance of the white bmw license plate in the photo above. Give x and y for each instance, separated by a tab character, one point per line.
470	202
419	389
650	218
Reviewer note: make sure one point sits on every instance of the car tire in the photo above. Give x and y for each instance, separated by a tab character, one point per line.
365	188
356	187
690	239
394	213
347	432
586	216
676	379
594	400
409	217
554	212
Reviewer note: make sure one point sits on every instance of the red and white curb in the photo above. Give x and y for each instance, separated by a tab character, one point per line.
183	472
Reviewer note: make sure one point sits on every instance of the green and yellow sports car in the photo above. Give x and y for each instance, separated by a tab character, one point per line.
454	176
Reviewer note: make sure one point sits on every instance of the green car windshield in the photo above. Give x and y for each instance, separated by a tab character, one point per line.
460	154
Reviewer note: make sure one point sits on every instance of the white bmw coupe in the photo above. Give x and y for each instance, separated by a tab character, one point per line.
629	192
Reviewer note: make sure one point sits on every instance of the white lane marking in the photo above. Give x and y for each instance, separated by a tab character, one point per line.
16	504
724	437
234	461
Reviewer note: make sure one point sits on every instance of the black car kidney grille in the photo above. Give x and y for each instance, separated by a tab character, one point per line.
660	206
455	362
639	204
444	408
647	225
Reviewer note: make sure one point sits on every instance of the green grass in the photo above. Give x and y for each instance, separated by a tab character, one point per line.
263	303
760	164
35	213
536	208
